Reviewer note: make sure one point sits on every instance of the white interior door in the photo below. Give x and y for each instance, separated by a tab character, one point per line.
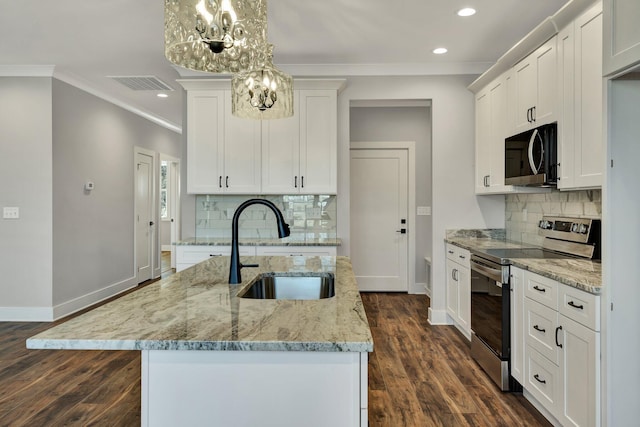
379	205
144	216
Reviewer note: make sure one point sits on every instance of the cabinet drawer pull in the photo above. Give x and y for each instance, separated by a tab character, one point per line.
461	256
450	252
215	254
220	181
558	329
539	329
302	182
574	305
537	377
226	181
295	182
539	289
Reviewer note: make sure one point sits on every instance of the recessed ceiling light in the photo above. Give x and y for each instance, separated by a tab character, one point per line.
162	95
467	11
440	50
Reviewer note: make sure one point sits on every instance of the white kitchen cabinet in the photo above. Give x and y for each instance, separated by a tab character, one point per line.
296	251
621	35
581	149
535	88
516	286
458	288
223	151
300	153
491	118
189	255
562	350
579	404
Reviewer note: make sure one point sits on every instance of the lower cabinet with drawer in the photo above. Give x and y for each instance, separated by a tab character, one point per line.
458	288
562	350
188	255
296	251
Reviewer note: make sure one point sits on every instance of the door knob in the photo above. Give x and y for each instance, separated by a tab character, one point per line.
402	231
150	222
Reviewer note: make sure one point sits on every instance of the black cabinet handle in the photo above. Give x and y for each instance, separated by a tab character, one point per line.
450	252
461	256
295	182
220	181
537	377
151	223
226	181
529	115
537	288
558	329
302	182
539	329
574	305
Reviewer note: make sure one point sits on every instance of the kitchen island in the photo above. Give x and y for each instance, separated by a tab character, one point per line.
210	357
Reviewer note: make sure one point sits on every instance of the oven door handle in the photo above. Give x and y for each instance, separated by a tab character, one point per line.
490	272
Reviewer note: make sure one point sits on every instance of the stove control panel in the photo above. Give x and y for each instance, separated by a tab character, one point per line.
582	230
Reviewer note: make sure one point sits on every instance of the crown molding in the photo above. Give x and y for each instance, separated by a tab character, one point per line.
27	70
391	69
80	84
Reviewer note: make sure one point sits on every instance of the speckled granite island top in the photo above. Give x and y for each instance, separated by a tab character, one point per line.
287	241
582	274
197	309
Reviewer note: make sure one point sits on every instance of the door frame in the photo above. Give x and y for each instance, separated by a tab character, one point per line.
410	146
174	201
154	215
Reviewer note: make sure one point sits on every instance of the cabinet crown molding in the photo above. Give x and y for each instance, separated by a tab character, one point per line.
538	36
298	84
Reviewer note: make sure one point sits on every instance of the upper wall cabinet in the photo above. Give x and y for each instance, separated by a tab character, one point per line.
229	155
491	113
300	152
621	35
534	98
223	151
580	149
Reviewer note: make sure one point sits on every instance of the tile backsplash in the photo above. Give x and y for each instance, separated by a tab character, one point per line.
524	211
312	216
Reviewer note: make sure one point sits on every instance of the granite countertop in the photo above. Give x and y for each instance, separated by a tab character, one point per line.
196	309
287	241
579	273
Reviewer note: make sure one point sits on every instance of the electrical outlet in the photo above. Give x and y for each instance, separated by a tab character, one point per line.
11	213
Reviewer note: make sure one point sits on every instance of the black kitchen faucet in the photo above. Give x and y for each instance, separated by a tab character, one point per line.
283	231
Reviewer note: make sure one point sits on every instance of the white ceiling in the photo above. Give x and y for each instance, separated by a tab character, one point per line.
87	41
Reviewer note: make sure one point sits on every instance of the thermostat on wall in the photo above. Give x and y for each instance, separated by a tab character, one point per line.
88	186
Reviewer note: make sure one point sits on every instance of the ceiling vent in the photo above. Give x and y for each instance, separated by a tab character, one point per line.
142	82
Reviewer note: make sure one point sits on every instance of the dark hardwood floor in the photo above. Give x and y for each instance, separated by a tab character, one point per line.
419	375
423	375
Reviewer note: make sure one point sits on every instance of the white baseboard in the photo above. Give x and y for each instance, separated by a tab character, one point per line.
26	314
79	303
418	289
438	317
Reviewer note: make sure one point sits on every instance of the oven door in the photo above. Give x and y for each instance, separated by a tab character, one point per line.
490	307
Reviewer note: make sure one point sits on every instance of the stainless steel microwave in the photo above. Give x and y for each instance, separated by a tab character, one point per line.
531	157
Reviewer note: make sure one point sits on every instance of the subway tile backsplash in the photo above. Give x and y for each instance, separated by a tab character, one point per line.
524	211
308	216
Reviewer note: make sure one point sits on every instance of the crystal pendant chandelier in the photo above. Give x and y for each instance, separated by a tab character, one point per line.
216	36
263	92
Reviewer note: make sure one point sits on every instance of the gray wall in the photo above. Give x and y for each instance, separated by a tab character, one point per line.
93	237
385	124
25	182
454	203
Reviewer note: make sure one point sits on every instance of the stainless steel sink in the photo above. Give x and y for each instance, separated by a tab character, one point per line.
295	286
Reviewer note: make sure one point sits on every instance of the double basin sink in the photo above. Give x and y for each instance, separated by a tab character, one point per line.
291	286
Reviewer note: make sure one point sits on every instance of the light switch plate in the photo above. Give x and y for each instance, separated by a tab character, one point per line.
11	213
423	210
